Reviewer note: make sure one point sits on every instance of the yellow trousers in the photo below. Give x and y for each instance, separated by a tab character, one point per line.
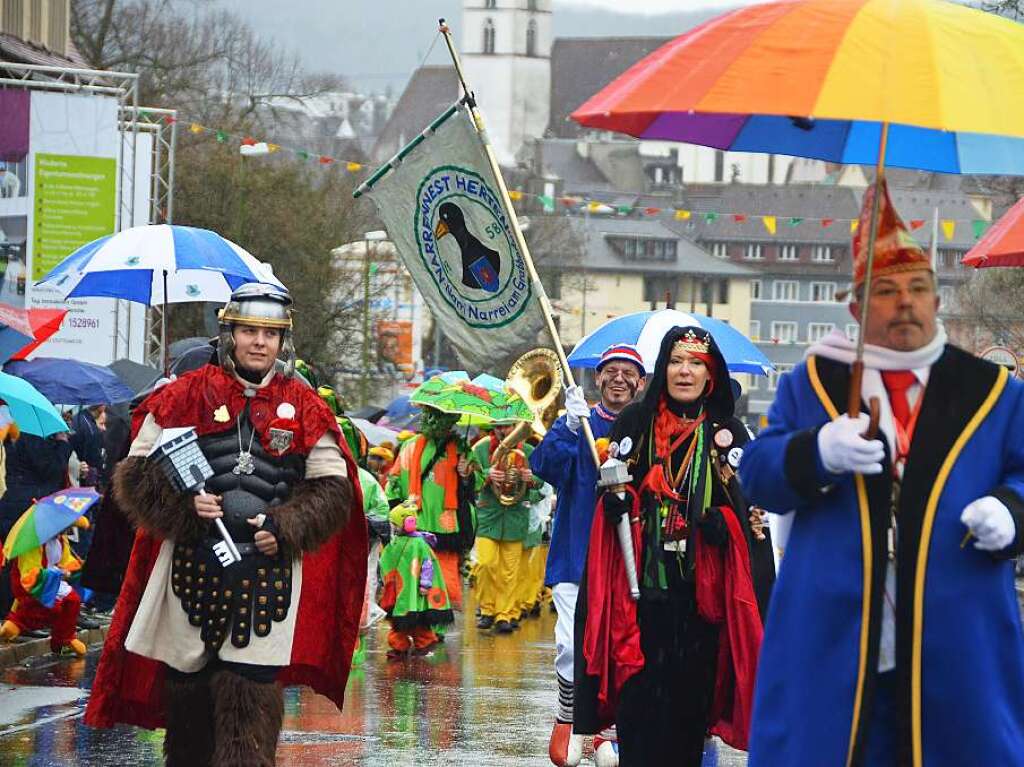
531	576
498	577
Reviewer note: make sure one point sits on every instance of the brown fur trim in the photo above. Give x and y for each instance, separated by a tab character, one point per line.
317	509
248	718
188	704
146	497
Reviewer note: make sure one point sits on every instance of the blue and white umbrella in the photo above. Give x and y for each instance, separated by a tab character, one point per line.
134	265
645	330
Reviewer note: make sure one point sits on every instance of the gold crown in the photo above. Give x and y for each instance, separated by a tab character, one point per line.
691	342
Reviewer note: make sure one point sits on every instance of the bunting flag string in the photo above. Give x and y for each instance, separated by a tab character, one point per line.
251	146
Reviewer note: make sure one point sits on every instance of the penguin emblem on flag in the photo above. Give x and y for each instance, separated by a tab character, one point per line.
481	265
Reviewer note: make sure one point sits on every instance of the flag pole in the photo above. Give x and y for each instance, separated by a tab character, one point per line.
857	369
517	232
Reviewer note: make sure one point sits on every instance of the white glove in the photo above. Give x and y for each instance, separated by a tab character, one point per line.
843	449
576	407
990	522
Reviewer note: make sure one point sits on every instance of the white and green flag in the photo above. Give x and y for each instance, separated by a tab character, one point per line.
441	207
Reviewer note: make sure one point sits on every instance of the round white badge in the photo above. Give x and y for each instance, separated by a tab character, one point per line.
734	457
625	446
286	410
723	438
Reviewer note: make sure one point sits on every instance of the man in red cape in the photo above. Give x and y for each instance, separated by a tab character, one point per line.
200	648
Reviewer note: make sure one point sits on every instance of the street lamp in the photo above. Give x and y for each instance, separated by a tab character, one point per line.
378	235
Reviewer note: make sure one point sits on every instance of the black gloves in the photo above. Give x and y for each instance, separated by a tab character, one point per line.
615	507
713	528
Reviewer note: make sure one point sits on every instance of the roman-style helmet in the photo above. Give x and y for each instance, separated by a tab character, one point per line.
262	305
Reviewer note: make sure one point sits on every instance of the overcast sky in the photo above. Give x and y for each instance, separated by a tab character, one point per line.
657	6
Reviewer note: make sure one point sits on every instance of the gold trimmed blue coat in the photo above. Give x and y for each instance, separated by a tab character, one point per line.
959	641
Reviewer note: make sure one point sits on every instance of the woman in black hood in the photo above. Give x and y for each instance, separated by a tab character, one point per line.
682	445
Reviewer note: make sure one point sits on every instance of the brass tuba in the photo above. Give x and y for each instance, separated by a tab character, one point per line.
536	378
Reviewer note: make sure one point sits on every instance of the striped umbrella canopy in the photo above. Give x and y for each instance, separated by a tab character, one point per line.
136	264
819	78
47	517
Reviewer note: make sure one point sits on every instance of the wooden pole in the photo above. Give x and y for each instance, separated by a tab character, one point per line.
517	232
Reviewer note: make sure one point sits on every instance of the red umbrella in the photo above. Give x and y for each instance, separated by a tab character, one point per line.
1003	244
44	323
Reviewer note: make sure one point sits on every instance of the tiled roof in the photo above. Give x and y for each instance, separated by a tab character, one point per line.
431	90
580	67
15	49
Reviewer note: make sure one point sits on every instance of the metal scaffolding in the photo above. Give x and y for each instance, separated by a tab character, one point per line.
133	119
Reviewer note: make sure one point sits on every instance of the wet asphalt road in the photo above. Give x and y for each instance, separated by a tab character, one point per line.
477	700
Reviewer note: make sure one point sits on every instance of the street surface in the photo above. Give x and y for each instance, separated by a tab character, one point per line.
478	700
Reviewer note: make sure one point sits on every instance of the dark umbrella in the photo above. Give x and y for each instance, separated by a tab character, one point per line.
70	382
134	374
178	348
370	413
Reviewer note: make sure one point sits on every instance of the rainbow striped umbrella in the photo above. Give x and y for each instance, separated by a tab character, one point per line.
920	84
819	79
47	517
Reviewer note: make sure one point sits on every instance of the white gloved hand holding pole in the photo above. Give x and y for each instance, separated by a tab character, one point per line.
576	408
990	522
844	450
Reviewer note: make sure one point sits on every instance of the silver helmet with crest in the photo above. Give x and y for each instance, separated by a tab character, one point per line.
262	305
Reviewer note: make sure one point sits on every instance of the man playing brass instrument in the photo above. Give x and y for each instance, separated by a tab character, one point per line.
505	489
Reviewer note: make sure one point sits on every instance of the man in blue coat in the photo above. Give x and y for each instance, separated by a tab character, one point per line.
564	461
894	636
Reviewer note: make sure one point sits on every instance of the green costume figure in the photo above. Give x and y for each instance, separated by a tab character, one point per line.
427	473
414	596
376	508
501	531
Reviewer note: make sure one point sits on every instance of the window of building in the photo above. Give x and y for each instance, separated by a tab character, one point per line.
636	249
723	291
705	292
658	287
781	368
821	253
629	248
788	253
784	332
947	298
720	249
823	291
852	331
719	165
818	330
754	383
531	5
754	252
489	4
755	290
531	38
488	36
785	290
755	330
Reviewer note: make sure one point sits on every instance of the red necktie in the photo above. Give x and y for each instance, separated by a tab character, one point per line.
897	382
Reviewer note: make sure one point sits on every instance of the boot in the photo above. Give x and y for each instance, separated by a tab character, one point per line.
248	717
565	749
189	713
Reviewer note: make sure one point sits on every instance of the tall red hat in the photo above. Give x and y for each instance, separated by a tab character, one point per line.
895	250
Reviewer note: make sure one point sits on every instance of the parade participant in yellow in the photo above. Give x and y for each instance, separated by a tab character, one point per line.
432	468
505	489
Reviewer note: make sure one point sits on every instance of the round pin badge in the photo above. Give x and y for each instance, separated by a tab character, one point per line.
723	438
286	410
734	457
625	445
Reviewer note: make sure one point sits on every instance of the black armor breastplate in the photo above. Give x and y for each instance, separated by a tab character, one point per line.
252	594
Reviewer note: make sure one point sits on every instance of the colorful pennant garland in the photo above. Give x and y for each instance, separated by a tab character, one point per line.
249	145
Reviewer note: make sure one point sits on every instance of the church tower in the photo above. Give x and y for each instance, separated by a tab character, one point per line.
506	51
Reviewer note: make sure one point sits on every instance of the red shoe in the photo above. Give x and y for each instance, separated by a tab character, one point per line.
565	749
